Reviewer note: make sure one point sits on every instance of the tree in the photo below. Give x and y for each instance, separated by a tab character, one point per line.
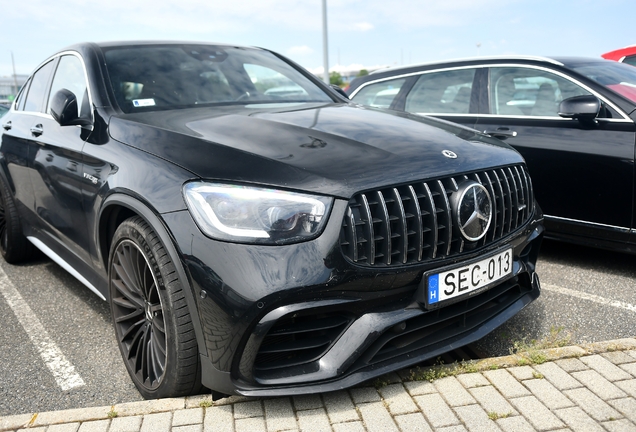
363	72
335	78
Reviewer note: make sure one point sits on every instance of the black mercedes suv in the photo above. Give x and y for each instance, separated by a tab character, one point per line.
253	231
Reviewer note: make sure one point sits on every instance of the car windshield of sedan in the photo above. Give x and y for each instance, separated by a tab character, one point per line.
155	77
618	77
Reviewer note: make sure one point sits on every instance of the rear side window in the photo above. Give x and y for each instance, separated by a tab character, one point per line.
444	92
35	98
380	94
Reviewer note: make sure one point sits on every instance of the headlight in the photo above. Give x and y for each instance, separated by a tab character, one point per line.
255	215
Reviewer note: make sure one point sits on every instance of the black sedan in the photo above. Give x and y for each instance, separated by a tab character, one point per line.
254	231
572	119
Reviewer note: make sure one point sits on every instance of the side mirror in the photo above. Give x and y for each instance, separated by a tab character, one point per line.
584	108
65	111
340	91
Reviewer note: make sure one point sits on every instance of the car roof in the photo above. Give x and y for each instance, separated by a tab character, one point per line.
466	60
562	61
620	53
110	44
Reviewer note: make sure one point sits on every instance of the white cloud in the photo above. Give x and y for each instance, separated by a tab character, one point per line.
300	50
363	26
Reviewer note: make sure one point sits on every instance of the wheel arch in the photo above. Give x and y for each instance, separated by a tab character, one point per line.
119	207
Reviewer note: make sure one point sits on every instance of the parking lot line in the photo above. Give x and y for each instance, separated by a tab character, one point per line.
63	371
590	297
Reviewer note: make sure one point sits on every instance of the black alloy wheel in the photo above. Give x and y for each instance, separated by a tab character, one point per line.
138	314
152	323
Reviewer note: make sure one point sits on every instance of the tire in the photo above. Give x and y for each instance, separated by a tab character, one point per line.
14	246
151	318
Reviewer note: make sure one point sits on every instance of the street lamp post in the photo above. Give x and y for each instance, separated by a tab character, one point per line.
325	44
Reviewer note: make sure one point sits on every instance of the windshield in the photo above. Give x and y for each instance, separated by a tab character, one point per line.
616	76
153	77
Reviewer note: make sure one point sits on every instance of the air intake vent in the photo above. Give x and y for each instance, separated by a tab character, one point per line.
413	223
294	340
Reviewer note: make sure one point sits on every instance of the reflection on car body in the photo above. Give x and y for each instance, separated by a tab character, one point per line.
571	118
254	231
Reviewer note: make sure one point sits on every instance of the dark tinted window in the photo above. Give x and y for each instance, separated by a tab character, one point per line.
630	60
154	77
35	98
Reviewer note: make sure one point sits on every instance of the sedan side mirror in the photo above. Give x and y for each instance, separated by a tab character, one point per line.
64	109
584	108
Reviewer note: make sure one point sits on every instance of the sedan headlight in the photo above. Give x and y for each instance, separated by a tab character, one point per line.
255	215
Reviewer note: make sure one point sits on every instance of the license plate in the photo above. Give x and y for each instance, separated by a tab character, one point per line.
468	278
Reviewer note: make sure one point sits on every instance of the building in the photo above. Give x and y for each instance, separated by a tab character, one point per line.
8	87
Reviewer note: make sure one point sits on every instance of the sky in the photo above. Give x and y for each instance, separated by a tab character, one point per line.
361	33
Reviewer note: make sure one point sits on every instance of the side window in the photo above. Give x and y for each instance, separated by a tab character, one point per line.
444	92
35	97
529	92
19	100
70	76
630	60
380	94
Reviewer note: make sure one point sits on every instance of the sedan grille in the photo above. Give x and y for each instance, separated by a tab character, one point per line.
414	223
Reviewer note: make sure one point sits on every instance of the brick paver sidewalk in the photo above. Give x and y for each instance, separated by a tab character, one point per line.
588	387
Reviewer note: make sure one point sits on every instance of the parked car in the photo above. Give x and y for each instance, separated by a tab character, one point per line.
261	243
572	119
623	55
3	109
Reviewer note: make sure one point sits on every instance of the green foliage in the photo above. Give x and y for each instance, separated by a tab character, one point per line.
335	78
363	72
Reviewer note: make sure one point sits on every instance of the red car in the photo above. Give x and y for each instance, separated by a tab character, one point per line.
624	55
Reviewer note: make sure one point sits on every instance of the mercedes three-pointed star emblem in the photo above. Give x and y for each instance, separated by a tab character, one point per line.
473	210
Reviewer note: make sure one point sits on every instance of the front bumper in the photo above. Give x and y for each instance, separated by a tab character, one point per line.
297	319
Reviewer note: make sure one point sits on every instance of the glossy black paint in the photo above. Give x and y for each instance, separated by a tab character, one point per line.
582	166
74	185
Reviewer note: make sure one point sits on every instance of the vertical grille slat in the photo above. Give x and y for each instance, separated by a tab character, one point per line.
434	224
448	217
417	223
385	230
409	224
369	233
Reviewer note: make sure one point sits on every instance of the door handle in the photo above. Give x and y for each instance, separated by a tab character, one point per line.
37	130
7	125
501	133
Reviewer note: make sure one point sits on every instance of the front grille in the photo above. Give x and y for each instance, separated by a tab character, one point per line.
295	340
413	223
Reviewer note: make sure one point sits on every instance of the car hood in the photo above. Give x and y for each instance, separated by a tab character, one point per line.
334	149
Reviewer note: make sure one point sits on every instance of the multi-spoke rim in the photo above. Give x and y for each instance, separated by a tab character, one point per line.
138	314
